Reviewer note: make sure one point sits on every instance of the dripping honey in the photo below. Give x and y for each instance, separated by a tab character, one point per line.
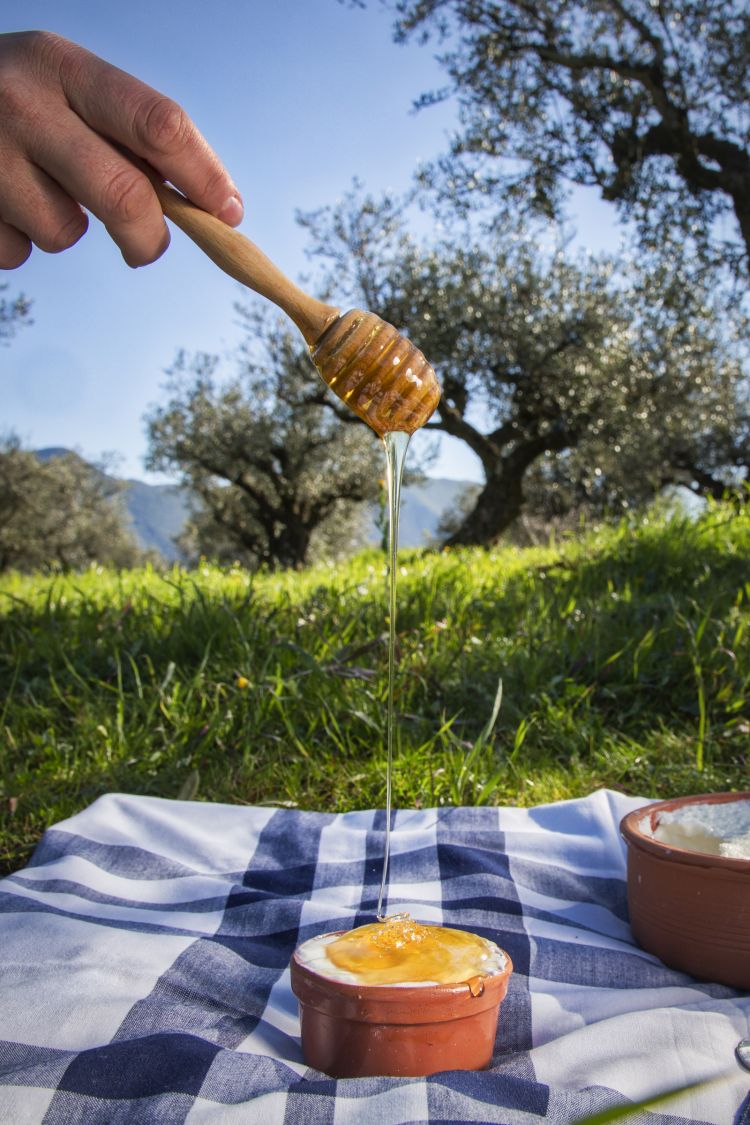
396	445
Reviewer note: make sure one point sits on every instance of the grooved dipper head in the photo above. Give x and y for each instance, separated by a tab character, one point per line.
377	372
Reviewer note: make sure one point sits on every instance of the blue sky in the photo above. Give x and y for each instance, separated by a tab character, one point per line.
297	97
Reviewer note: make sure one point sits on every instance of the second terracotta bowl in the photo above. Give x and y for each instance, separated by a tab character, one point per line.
351	1031
691	909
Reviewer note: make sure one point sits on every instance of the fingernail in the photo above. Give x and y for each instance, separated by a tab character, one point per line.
232	211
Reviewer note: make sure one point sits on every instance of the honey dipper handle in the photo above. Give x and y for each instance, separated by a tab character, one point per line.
241	259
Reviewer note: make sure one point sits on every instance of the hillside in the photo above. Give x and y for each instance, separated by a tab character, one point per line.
623	655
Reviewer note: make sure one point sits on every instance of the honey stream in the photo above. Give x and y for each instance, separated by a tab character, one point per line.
396	445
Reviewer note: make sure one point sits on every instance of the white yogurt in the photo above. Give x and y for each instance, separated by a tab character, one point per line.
714	829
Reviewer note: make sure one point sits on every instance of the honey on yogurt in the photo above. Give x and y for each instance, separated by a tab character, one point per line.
399	951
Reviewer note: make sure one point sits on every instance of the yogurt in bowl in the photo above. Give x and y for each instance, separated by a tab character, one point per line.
399	997
689	884
714	828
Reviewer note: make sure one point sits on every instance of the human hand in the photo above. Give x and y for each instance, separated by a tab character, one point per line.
66	117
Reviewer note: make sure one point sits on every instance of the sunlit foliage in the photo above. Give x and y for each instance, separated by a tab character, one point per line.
578	382
646	100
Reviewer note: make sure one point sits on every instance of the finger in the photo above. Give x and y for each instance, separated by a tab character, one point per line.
33	205
88	168
15	247
154	127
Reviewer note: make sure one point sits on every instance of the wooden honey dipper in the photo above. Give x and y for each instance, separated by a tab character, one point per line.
376	371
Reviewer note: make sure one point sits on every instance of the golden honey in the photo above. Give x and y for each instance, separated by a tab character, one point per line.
377	372
398	950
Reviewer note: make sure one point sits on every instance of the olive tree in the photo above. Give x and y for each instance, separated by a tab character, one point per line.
278	479
60	513
646	100
547	362
689	426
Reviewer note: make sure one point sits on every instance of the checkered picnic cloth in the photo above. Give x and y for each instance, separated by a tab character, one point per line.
144	974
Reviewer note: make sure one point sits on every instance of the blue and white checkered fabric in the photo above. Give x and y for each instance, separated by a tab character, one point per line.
144	964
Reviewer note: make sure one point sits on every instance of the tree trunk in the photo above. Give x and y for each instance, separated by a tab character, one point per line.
289	547
497	506
501	500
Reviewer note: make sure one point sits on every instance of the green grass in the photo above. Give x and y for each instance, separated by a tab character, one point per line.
623	656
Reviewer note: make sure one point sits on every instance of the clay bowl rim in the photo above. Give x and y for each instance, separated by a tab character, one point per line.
636	838
433	993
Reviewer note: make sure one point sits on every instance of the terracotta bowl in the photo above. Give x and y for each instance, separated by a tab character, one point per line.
689	908
353	1031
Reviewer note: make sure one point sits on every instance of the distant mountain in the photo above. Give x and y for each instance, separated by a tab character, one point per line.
422	508
158	511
